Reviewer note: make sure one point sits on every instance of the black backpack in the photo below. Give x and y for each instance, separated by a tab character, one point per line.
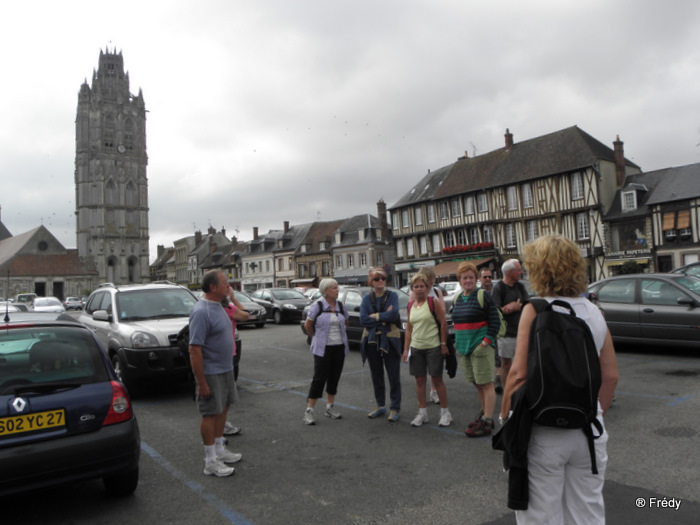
563	372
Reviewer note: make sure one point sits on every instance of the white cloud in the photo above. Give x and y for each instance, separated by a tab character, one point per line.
261	112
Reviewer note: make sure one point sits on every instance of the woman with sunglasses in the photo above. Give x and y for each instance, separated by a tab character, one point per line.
381	343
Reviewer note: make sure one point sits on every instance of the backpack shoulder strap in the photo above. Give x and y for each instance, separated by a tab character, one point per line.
341	307
373	301
480	297
408	308
540	305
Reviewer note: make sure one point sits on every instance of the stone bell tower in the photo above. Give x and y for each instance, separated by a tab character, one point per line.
111	187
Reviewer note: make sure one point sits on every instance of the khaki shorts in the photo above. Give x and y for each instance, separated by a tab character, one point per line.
479	366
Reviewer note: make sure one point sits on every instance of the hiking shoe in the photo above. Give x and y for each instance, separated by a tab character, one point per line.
214	467
229	457
309	418
445	419
419	420
230	430
434	397
379	411
332	413
477	420
393	416
483	428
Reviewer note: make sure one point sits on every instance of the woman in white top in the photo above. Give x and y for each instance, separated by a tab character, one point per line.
562	488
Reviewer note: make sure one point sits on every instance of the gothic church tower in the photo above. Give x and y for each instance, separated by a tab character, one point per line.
111	187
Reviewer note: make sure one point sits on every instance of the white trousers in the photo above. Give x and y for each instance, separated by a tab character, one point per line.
562	488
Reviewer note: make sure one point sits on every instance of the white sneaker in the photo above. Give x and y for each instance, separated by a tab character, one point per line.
332	413
229	457
230	430
214	467
434	397
309	418
445	419
419	420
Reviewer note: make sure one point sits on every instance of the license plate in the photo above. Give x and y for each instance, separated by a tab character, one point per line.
31	422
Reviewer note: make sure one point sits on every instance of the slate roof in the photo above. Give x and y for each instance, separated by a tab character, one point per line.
562	151
61	264
295	235
321	231
4	232
657	187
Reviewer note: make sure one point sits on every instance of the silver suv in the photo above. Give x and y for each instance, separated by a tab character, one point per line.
139	325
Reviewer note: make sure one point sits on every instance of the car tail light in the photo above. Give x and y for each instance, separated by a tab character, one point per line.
120	408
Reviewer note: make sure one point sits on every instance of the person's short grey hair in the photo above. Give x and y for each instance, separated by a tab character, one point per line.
325	284
509	265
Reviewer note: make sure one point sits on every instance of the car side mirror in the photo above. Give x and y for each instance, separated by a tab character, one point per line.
101	315
685	300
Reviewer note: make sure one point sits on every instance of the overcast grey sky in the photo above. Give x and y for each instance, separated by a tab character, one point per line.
274	110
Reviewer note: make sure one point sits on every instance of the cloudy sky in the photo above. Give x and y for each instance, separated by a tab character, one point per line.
274	110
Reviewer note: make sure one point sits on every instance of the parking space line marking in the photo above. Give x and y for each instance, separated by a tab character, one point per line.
231	515
672	400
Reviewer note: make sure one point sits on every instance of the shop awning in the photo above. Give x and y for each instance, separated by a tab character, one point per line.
620	262
449	268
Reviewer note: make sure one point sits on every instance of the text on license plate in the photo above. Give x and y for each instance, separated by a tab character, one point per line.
30	422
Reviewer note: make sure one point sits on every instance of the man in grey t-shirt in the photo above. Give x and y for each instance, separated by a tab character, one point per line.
510	296
211	358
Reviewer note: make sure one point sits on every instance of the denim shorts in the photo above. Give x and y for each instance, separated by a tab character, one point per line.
426	360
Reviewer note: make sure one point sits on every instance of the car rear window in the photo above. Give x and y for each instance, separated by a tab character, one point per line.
52	354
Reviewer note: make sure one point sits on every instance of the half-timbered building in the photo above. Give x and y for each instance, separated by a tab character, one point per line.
486	208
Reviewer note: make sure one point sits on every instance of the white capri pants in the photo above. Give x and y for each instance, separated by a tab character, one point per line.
562	488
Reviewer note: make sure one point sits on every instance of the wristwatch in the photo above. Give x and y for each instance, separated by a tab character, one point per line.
443	344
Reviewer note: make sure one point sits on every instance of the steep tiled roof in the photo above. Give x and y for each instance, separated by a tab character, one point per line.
47	265
321	231
4	232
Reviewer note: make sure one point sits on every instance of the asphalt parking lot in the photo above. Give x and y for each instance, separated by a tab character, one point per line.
361	471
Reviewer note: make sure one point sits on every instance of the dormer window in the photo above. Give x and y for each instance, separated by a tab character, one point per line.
338	236
628	200
322	246
361	234
303	248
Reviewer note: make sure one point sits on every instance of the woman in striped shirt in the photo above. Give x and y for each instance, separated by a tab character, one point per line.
476	327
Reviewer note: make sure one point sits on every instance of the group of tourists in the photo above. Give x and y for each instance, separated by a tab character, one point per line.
560	483
561	486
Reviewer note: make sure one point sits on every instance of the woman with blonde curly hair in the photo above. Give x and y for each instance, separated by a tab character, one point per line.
562	488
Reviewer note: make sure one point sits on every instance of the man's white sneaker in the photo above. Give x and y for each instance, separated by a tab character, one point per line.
434	397
309	418
230	430
419	420
445	419
229	457
214	467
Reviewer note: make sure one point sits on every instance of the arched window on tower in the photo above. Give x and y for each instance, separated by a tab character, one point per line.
111	194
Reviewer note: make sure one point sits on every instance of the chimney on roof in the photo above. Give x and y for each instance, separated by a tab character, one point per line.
383	223
160	249
620	172
211	230
255	233
509	139
197	237
223	231
286	226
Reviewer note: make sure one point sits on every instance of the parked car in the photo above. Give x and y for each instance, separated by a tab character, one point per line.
689	269
25	298
73	303
660	309
281	304
48	304
138	324
7	306
64	414
352	299
257	313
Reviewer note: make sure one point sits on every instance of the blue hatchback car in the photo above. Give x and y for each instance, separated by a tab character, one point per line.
64	415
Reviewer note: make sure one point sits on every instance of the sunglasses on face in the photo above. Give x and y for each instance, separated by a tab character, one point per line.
380	278
486	277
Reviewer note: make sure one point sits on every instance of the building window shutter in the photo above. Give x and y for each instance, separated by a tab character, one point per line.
683	219
669	221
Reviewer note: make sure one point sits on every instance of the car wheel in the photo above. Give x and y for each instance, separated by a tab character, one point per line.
277	316
120	485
